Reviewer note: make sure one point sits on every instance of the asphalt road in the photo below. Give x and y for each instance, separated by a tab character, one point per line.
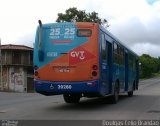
145	104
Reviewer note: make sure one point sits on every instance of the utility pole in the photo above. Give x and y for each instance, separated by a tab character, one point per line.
1	64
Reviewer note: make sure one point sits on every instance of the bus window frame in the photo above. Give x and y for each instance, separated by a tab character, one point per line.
84	30
103	40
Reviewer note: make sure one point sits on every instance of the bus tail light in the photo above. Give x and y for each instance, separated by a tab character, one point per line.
94	73
36	73
95	67
35	67
94	70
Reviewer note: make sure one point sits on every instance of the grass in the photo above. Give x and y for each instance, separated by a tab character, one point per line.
156	74
153	75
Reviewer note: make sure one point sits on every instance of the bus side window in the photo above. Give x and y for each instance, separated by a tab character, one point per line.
132	62
115	47
104	48
115	53
118	54
121	56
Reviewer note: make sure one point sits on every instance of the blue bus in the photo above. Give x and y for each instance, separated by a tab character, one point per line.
82	59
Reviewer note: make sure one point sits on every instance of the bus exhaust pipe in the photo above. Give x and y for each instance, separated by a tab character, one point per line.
40	23
40	51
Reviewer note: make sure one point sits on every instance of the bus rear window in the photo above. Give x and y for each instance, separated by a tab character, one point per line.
84	32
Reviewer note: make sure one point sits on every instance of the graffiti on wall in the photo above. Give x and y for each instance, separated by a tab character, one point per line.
17	78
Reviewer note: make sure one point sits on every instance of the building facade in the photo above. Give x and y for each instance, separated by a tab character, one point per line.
16	73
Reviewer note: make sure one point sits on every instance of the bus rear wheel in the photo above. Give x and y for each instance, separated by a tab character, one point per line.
130	93
115	96
71	98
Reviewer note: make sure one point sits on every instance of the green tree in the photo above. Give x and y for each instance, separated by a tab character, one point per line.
72	14
149	65
158	60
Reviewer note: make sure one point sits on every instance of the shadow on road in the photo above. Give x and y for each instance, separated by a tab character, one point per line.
91	103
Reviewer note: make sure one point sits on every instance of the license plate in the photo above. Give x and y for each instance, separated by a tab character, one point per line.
67	87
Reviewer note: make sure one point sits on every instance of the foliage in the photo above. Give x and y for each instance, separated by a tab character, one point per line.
149	65
72	14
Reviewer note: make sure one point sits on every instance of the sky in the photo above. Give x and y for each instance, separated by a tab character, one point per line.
136	23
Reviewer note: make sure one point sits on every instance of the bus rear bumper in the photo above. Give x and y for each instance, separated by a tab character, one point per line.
56	88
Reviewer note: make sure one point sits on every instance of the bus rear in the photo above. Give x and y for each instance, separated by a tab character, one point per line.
66	60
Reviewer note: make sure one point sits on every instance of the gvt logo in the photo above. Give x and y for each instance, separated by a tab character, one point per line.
78	55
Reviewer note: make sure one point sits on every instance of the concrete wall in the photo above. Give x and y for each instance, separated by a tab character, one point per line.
16	79
5	78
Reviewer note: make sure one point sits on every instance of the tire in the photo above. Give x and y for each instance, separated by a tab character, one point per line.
130	93
115	96
71	98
